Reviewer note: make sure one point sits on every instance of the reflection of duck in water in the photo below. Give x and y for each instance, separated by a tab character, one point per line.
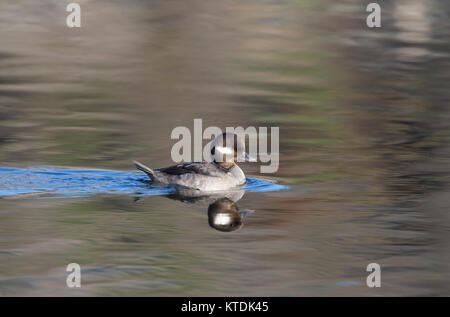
194	196
224	215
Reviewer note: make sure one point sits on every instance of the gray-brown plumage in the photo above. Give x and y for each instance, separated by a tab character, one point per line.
221	173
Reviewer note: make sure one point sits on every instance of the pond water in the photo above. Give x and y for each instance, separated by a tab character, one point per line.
364	147
48	182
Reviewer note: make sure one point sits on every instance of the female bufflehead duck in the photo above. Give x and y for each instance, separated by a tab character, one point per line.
220	174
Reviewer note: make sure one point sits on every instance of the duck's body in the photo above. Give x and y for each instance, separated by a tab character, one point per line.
221	173
202	176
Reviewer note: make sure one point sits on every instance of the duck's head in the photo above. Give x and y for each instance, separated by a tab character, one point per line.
227	148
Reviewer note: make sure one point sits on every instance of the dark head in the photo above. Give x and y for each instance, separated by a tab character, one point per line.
227	148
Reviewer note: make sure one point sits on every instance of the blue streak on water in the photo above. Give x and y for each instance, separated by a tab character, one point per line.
65	182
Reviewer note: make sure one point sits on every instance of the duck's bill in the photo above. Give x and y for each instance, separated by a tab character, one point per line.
247	158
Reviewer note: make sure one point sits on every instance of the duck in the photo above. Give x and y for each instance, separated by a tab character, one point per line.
219	173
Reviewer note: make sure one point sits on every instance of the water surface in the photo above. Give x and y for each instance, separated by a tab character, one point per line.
364	147
50	182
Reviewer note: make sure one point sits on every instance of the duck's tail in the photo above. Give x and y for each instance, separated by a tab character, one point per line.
145	169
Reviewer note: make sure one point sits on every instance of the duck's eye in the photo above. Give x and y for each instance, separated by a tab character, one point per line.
213	151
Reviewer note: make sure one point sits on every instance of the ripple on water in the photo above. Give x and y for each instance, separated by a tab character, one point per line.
59	182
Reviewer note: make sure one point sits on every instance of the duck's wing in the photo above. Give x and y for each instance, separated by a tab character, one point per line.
199	168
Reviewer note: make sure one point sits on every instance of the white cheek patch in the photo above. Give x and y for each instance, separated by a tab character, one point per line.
222	219
224	150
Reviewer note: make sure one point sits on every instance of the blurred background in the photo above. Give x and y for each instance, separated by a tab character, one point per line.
364	144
